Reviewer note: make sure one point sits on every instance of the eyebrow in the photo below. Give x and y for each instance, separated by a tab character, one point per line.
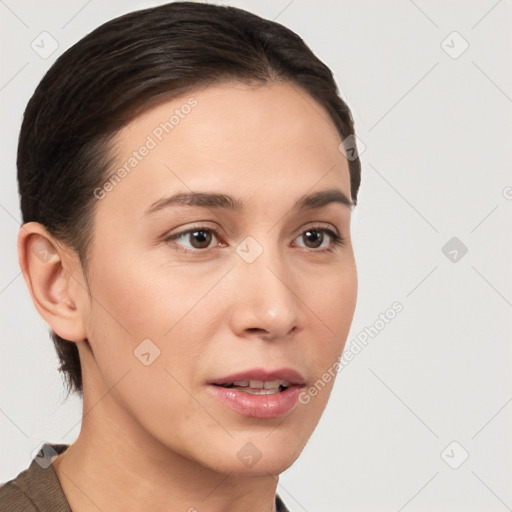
222	201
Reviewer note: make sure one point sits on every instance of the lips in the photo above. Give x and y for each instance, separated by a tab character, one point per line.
259	393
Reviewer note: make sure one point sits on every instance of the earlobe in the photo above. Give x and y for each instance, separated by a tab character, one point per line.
47	267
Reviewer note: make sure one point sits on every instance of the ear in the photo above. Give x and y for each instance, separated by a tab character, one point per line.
55	281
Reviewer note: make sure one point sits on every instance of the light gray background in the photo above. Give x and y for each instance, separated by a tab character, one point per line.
437	131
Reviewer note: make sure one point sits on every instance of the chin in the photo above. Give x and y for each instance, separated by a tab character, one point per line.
266	466
257	455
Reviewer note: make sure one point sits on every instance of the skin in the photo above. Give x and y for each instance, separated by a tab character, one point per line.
153	437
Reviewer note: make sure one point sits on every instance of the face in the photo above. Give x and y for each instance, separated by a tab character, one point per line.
191	295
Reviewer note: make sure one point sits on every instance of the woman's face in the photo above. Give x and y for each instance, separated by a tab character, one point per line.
265	289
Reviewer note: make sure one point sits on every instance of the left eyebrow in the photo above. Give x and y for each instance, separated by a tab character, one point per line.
222	201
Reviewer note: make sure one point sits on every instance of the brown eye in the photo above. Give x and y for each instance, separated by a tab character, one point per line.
202	238
194	240
315	238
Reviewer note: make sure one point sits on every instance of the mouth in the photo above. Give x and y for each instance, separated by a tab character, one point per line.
259	393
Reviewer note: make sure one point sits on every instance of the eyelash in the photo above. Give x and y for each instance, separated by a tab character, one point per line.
337	240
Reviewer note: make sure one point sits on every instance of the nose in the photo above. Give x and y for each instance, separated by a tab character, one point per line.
266	300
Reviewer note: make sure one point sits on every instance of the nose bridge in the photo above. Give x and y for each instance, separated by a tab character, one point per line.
265	296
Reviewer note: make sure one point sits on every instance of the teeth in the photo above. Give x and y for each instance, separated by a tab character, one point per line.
259	384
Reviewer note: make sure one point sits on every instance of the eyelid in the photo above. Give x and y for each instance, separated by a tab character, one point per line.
201	225
316	225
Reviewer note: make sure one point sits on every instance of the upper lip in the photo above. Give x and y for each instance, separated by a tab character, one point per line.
286	374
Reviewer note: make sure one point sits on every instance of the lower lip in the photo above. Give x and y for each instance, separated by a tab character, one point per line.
258	406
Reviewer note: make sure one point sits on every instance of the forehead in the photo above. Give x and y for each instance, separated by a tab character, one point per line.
272	137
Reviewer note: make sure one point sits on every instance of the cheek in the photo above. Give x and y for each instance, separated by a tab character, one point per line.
333	302
146	325
142	299
332	297
142	306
